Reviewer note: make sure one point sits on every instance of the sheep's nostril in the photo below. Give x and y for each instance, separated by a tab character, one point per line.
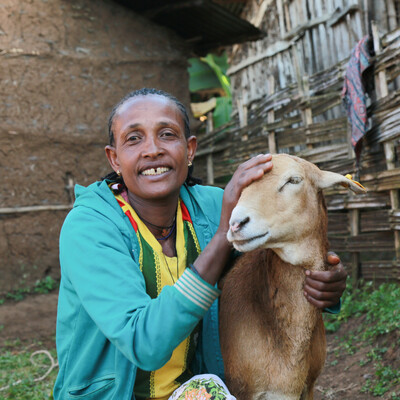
245	221
236	226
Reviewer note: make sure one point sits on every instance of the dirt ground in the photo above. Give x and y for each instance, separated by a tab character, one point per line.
33	319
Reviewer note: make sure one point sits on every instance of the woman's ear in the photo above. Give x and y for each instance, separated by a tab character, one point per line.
112	157
191	147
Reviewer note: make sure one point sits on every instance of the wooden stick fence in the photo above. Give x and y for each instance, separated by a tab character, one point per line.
364	229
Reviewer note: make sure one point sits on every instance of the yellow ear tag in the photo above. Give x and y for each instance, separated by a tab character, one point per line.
348	176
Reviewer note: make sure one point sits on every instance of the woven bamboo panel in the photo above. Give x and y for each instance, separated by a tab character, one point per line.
305	38
290	121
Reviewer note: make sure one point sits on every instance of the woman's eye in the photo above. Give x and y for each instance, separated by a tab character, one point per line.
133	138
167	134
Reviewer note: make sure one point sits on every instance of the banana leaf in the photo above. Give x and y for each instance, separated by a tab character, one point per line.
208	73
222	112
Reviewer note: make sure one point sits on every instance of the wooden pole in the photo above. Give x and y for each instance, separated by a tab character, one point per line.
242	110
271	117
45	207
287	16
366	15
355	257
307	111
70	187
389	148
350	151
26	209
391	10
279	6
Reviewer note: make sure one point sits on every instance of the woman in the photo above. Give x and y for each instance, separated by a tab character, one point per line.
141	253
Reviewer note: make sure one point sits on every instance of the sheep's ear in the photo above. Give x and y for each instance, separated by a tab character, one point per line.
328	179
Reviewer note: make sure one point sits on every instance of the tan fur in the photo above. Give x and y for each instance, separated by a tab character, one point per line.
272	339
266	345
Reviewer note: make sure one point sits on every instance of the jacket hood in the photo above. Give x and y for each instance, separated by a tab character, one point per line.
94	195
99	198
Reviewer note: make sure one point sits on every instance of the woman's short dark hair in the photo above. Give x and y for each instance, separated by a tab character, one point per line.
190	180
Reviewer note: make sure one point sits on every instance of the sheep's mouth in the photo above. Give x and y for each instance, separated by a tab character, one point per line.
249	240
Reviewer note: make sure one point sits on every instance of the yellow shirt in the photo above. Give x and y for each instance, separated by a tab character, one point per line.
160	270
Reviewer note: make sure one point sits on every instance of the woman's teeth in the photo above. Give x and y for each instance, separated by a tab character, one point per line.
155	171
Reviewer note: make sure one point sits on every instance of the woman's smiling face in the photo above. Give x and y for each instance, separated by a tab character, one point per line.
150	148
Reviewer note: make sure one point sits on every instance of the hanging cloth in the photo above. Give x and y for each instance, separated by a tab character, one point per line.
354	91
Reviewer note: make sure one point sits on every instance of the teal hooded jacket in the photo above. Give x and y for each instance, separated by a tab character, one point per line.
107	325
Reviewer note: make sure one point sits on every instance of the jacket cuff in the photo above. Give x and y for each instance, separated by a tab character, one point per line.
334	309
196	289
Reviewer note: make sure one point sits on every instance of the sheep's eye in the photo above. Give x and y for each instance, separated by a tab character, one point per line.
294	180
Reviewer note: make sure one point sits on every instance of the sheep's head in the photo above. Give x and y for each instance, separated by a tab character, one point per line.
284	210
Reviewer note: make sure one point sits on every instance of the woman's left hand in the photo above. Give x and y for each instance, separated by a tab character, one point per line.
324	289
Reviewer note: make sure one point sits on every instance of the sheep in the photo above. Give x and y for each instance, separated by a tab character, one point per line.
272	340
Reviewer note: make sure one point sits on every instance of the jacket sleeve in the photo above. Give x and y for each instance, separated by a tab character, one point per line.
97	263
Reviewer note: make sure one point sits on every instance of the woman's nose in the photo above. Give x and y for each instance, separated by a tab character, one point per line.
152	147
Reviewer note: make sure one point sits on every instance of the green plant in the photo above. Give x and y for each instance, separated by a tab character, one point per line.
18	294
22	370
348	344
381	308
45	285
385	378
41	286
207	78
378	313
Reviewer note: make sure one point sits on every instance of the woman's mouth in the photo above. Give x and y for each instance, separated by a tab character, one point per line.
155	171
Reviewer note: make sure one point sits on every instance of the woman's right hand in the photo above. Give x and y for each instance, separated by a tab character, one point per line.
246	173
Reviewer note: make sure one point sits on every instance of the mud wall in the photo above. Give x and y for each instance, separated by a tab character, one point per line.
63	65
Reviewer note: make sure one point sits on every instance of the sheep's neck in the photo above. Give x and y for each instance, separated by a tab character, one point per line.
283	303
309	250
308	253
